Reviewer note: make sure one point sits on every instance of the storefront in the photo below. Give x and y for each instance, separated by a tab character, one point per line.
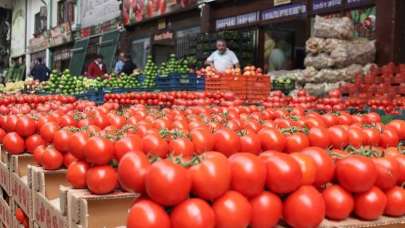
60	43
160	32
37	47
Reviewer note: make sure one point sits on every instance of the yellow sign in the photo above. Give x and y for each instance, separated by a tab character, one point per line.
281	2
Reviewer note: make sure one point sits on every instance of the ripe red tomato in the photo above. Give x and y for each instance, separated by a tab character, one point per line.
356	137
147	214
338	202
307	166
32	142
127	144
226	142
400	158
2	134
154	145
356	173
330	119
388	172
20	215
132	169
389	137
248	174
232	210
296	142
372	136
48	130
304	208
283	172
101	179
181	146
374	117
395	202
202	139
76	174
99	151
267	209
38	152
13	143
250	142
51	159
77	142
338	136
25	126
319	137
61	140
11	123
370	205
68	158
167	183
324	164
272	139
194	213
211	178
399	126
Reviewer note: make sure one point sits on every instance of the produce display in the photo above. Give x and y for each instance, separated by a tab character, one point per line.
270	164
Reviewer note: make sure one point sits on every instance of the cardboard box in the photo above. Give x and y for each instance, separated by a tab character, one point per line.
6	217
5	177
48	211
15	223
107	211
383	222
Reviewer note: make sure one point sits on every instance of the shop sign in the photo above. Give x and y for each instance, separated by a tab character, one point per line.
319	5
39	43
281	2
60	35
284	11
163	36
98	29
356	2
237	20
95	12
135	11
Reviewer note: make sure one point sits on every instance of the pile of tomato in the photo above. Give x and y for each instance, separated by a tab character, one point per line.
213	166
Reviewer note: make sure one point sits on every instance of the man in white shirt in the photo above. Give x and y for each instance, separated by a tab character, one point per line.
223	58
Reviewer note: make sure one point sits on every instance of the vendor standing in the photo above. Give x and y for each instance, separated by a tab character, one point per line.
223	58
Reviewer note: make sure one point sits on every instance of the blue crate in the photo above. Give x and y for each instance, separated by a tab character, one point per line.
186	82
165	82
200	84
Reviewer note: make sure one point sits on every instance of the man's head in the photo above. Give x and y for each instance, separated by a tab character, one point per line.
39	60
99	59
221	46
121	56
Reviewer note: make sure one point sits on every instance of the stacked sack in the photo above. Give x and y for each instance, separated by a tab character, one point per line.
334	56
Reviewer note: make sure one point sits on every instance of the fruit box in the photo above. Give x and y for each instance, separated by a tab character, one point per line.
5	172
6	217
48	208
108	211
14	222
20	181
383	222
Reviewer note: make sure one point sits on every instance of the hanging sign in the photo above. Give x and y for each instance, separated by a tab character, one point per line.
281	2
357	2
243	19
319	5
163	36
284	11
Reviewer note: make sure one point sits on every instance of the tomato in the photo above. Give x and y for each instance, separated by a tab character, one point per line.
304	208
25	126
267	209
61	140
250	142
272	139
132	169
319	137
202	139
20	215
48	130
211	178
370	205
182	146
308	167
13	143
356	137
33	142
232	210
324	164
11	123
51	159
127	144
38	152
248	174
374	117
155	145
338	136
98	151
167	183
147	214
395	202
76	174
226	142
68	159
389	137
296	142
194	213
77	142
388	172
2	134
338	202
356	173
101	179
400	158
283	172
372	136
330	119
399	126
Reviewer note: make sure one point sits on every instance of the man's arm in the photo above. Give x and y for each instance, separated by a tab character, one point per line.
235	60
210	60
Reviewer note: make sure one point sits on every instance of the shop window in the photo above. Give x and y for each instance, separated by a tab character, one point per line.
38	22
140	50
186	42
61	12
66	11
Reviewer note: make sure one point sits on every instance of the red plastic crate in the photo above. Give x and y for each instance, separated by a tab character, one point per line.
237	85
258	87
